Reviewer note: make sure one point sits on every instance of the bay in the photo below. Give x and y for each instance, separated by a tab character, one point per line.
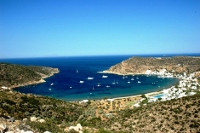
80	78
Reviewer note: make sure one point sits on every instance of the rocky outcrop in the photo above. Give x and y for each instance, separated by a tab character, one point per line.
78	128
140	65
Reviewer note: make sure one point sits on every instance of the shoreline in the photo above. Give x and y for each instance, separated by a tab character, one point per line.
139	95
153	93
27	84
109	72
42	80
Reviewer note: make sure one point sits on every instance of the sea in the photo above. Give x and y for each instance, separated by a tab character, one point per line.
81	78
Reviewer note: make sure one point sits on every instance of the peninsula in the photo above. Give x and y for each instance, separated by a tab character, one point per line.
141	65
13	76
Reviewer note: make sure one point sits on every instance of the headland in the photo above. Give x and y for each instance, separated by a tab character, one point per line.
14	76
159	66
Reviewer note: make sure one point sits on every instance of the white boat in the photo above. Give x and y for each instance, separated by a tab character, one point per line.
107	86
104	76
90	78
113	82
98	85
51	83
49	89
77	71
132	78
139	82
128	82
81	82
70	87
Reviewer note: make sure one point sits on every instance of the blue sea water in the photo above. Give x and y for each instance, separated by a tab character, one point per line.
66	84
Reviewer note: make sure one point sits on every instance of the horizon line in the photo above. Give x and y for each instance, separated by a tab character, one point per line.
66	56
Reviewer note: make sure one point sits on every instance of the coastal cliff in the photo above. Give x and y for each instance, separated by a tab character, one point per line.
140	65
12	75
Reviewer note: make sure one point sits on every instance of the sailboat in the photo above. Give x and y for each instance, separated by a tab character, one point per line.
113	82
104	76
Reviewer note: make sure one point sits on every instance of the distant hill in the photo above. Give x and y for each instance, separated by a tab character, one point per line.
139	65
12	75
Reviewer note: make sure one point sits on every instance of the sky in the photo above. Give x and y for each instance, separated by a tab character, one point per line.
42	28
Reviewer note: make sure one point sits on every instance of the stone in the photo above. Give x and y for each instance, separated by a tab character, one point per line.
3	128
78	128
33	118
41	120
47	132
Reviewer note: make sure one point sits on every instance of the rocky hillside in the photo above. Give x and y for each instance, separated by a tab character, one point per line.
39	114
17	75
36	113
177	115
139	65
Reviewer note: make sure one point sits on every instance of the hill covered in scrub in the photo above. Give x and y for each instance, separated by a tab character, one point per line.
139	65
53	112
12	75
177	115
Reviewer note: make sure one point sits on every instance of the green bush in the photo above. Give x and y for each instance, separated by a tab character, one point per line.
102	130
46	126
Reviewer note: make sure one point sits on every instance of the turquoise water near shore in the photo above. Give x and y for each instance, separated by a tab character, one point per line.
72	83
